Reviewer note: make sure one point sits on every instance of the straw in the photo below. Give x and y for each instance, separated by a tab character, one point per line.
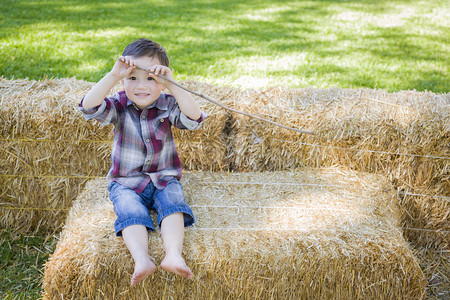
326	234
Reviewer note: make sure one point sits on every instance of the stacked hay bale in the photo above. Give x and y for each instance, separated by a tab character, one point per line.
325	234
405	135
48	150
43	153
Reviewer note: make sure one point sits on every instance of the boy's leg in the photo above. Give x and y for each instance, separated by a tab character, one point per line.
172	232
132	222
136	239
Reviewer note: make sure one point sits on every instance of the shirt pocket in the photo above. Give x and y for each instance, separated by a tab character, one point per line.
161	126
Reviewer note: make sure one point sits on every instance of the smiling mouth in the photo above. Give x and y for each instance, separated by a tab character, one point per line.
142	94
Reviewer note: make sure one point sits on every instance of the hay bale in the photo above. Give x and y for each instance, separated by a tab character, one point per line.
366	130
299	234
46	143
426	221
29	204
44	138
41	158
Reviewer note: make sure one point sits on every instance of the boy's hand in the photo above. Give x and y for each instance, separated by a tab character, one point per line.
163	70
123	67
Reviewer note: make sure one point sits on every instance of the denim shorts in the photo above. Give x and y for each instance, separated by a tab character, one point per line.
132	208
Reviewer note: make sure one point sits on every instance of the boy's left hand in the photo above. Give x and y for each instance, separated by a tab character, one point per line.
163	70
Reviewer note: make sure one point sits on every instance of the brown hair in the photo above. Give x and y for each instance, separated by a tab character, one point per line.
146	47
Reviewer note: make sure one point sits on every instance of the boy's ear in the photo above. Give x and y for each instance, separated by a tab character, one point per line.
121	82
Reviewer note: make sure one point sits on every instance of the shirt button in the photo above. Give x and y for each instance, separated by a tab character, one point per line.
143	117
162	120
147	140
147	162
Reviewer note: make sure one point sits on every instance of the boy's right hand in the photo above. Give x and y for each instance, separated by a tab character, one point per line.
123	67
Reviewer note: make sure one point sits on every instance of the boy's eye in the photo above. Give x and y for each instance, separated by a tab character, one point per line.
132	78
150	78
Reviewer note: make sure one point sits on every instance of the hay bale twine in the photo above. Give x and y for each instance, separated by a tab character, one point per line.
299	234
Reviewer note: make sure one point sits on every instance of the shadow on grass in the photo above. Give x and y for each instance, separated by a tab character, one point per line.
81	38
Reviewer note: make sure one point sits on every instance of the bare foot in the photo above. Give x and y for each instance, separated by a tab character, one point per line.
142	270
176	264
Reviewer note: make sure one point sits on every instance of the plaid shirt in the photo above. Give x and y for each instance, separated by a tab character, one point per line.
144	148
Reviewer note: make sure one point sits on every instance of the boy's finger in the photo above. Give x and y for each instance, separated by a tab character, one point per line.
151	70
130	69
127	60
160	70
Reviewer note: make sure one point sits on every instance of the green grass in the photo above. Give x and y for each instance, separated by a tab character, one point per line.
392	45
21	261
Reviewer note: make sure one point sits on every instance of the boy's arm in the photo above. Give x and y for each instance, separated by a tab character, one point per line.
187	104
98	93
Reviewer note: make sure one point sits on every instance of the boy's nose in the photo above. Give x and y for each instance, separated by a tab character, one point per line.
141	84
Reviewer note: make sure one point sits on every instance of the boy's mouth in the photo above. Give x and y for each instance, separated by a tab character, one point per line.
142	94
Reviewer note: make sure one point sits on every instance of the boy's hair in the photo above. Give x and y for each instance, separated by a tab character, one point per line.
146	47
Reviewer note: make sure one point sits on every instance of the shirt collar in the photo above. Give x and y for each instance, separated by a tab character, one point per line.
160	103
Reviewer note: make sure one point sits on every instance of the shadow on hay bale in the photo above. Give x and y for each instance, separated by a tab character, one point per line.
322	234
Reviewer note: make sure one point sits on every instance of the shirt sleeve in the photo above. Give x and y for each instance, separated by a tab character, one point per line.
178	118
105	113
192	124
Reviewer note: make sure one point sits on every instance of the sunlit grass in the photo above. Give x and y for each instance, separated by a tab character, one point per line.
391	45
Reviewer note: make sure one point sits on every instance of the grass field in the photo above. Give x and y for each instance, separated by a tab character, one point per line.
391	45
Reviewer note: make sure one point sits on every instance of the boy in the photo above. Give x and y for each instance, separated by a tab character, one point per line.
145	165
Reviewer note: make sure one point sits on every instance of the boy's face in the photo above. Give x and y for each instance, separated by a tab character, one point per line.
141	87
